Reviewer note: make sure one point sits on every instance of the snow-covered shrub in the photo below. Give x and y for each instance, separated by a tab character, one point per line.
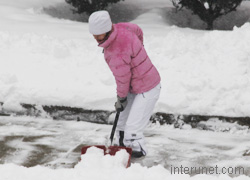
208	10
89	6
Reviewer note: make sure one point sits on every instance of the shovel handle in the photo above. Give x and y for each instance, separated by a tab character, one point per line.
114	127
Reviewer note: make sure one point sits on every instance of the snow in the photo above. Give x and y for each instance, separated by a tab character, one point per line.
95	158
215	124
48	147
94	165
82	173
51	61
206	5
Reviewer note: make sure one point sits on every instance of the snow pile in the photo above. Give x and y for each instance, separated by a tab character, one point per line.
47	70
202	72
95	166
95	158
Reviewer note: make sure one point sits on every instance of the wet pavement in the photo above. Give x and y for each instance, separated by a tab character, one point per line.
30	141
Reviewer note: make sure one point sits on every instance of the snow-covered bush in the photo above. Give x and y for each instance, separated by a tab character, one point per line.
208	10
89	6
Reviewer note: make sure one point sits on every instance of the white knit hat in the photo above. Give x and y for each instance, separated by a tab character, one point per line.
100	23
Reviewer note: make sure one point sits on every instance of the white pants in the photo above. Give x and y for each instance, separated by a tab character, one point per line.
135	117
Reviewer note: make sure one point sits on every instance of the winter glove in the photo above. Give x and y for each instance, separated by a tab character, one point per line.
121	103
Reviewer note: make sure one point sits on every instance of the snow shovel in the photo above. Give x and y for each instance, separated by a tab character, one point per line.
111	149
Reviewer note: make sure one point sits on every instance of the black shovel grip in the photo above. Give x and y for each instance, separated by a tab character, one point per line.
114	127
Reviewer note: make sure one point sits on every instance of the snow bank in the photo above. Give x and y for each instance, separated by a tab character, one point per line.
202	72
95	166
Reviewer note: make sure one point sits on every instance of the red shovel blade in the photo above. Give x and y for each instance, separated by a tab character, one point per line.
110	150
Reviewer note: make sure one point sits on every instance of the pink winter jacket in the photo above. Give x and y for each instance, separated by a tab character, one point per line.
126	57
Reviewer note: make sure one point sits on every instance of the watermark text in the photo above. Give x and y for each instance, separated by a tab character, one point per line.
206	170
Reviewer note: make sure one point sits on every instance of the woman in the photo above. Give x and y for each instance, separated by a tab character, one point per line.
137	80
